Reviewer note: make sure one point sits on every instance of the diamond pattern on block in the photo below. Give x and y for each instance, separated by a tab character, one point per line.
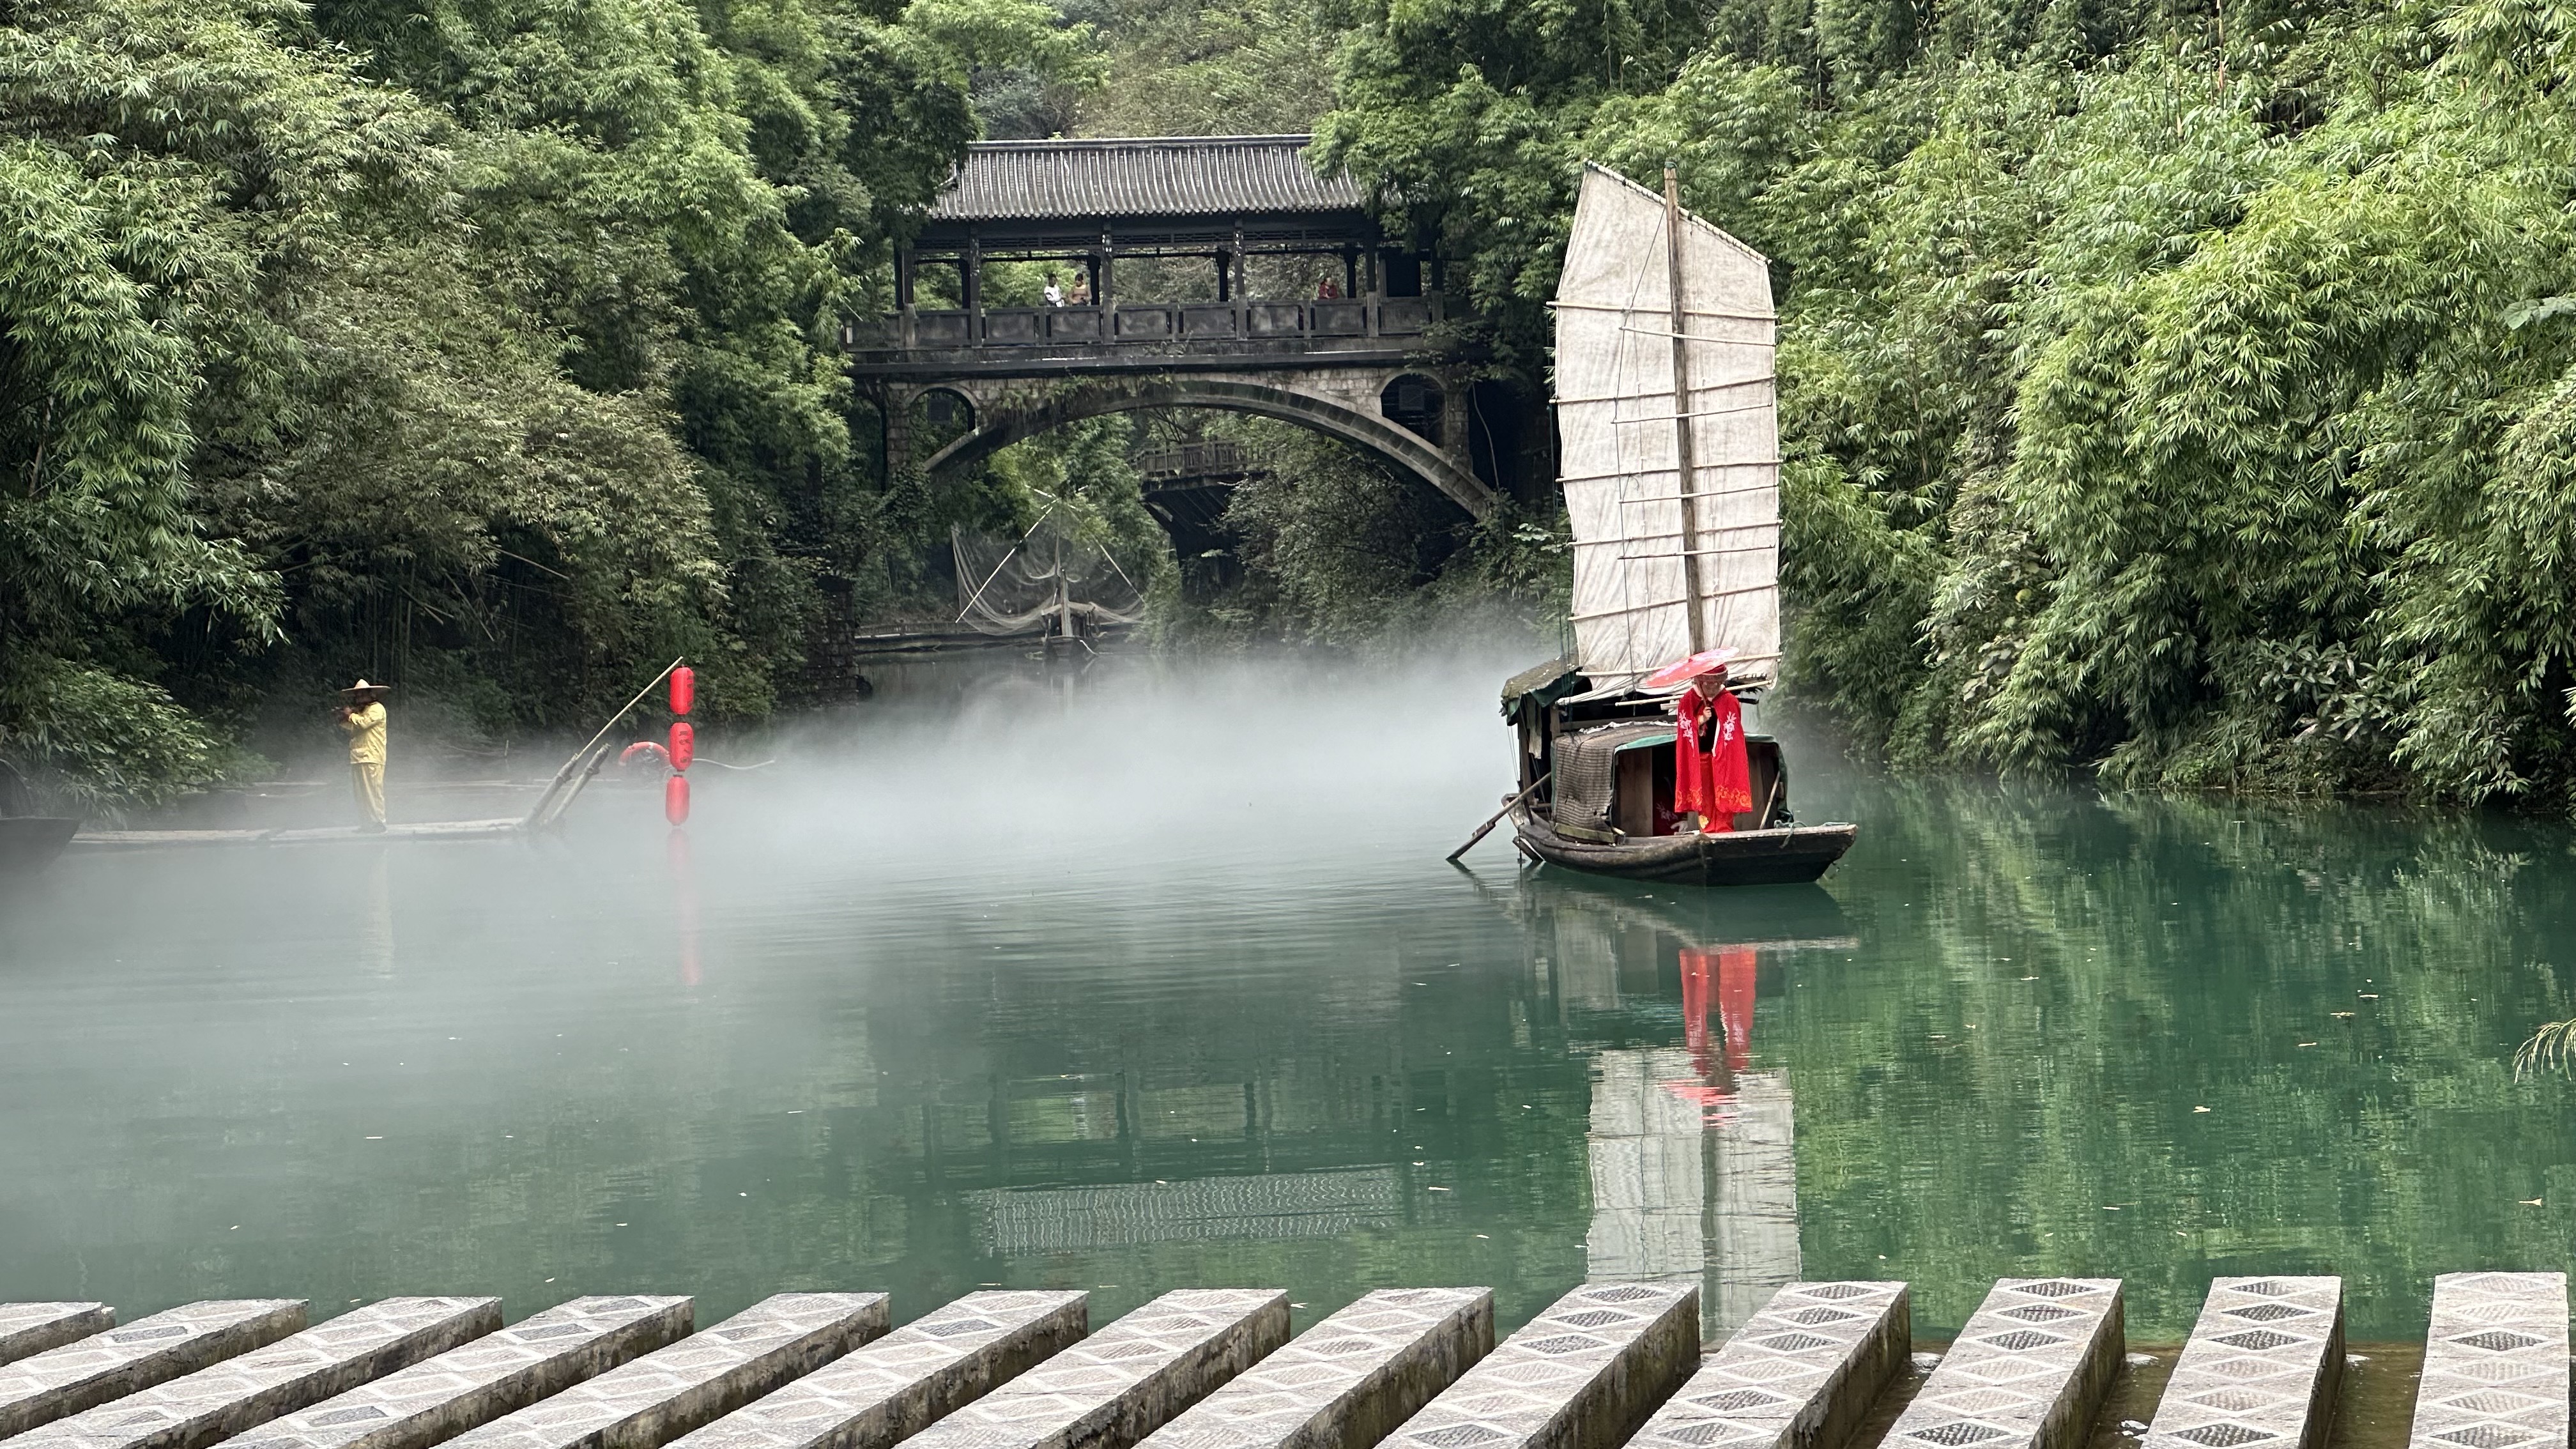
1520	1388
2224	1435
29	1328
432	1388
120	1351
1324	1367
1997	1385
2237	1385
1091	1375
1771	1373
298	1369
731	1352
2495	1363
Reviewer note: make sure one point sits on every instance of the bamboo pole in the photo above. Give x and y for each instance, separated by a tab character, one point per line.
1686	479
1497	817
537	816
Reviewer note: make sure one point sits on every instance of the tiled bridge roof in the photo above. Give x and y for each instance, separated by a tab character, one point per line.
1140	177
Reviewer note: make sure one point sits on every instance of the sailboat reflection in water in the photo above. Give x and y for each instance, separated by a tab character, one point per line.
1692	1149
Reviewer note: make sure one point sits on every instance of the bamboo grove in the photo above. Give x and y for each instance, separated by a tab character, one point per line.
2185	392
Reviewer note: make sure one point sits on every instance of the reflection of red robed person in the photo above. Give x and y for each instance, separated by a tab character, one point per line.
1711	776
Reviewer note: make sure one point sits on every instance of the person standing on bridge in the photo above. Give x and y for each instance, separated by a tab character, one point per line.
362	718
1054	293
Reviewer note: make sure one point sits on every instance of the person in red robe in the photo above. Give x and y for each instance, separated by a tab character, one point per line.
1711	776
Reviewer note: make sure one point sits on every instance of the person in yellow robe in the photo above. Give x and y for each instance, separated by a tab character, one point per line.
362	717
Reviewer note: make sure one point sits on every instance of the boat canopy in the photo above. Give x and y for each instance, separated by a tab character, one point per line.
1548	682
1666	566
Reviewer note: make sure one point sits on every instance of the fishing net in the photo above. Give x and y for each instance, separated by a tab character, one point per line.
1026	585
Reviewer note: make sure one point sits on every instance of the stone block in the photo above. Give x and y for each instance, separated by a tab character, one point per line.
1800	1374
1584	1374
667	1393
31	1328
1348	1381
2027	1372
1126	1381
2495	1363
463	1388
241	1393
902	1383
2263	1367
60	1382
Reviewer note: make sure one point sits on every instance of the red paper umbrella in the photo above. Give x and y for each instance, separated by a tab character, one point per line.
1688	669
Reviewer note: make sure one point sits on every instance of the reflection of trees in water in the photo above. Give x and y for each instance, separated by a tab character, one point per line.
2341	987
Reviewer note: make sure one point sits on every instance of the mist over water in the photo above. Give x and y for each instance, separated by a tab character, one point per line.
1156	979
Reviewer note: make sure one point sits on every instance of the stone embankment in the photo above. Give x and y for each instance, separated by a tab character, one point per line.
1606	1366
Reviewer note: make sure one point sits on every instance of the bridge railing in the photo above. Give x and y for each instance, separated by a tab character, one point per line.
1212	457
1327	319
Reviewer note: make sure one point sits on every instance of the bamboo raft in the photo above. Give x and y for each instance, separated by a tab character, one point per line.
105	840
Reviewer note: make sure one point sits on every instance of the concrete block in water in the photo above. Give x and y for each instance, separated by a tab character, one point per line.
60	1382
439	1398
1800	1374
245	1392
1126	1381
31	1328
1348	1381
2027	1372
2263	1367
667	1393
2495	1363
900	1384
1582	1375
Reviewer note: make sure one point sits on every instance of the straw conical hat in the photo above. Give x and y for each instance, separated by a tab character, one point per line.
363	687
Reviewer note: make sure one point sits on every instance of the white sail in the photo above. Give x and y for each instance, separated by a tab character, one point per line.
1616	413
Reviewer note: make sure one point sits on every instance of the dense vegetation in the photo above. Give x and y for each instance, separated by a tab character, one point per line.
2184	389
487	343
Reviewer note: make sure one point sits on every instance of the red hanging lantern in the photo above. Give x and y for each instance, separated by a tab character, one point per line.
675	799
684	744
684	689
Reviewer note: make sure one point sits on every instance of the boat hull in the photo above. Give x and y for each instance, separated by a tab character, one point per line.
1790	855
29	843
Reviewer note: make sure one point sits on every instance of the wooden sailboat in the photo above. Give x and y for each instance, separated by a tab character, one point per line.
1668	411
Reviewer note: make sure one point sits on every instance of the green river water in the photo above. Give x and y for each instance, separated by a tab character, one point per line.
1160	982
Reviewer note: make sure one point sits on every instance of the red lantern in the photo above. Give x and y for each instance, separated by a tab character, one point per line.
675	799
684	689
684	744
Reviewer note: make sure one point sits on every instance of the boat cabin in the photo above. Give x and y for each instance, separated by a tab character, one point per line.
1608	762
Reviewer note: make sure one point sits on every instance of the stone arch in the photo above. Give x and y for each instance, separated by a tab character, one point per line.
937	397
999	425
1416	402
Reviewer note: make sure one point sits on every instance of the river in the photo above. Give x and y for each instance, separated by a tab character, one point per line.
1159	980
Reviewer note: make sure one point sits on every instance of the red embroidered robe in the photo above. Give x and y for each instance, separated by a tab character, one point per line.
1710	773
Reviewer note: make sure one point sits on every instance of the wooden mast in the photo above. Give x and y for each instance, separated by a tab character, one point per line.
1687	483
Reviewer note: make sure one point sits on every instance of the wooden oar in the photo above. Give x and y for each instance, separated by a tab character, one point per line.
1497	818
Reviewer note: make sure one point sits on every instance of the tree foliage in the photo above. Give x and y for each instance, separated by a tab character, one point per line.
490	344
2184	393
